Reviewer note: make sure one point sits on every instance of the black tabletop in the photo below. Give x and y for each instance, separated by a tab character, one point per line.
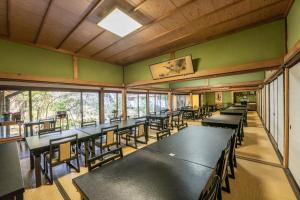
10	174
39	143
189	109
95	130
236	108
145	175
223	120
197	144
233	112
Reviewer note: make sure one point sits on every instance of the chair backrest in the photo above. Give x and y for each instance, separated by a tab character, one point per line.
46	126
117	119
212	191
223	162
152	113
64	146
89	123
140	128
182	126
180	117
170	118
105	158
111	135
163	133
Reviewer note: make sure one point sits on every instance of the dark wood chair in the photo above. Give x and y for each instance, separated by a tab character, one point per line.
212	190
62	150
139	131
46	126
182	126
232	156
222	168
162	134
169	122
105	158
89	123
108	138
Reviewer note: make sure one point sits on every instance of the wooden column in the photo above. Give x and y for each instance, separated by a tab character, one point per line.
100	109
147	103
170	101
101	96
124	104
286	118
75	68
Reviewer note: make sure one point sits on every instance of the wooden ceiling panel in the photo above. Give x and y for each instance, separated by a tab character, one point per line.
132	40
25	18
3	17
157	8
180	34
197	8
82	35
175	20
61	19
101	42
135	2
179	3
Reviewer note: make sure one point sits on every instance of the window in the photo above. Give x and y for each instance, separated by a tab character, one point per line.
90	104
46	104
112	105
136	105
158	102
181	101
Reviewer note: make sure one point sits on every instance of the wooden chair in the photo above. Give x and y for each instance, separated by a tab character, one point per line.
182	126
169	122
162	134
108	138
62	150
140	131
232	157
46	126
89	123
212	191
105	158
222	168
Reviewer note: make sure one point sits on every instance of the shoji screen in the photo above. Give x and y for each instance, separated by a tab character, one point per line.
294	118
264	105
280	116
272	113
275	96
267	122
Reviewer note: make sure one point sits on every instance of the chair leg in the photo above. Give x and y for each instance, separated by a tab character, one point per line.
78	166
51	174
227	188
231	166
234	161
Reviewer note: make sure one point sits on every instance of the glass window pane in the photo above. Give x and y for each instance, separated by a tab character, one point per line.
142	105
90	103
132	105
164	102
151	102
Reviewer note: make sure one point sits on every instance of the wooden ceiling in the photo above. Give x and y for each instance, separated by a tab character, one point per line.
168	25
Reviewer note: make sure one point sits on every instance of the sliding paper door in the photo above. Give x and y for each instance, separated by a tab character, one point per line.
264	105
294	120
272	106
267	122
280	116
275	96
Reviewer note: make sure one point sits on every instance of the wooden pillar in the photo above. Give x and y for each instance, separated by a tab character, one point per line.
124	104
147	103
81	108
170	101
101	101
99	106
75	68
286	118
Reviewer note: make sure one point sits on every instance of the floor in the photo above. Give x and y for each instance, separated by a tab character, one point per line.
259	174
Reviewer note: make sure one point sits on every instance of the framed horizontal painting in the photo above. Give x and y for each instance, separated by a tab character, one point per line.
170	68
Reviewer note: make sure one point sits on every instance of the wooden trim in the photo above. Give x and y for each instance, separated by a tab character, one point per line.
147	103
92	9
10	139
8	18
32	78
274	76
100	107
240	89
170	102
293	55
75	68
237	69
37	36
291	2
191	98
102	117
286	118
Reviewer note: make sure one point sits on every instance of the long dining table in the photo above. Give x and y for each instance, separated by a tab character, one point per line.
177	167
39	144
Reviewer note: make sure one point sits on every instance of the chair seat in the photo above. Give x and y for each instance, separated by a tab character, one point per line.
55	159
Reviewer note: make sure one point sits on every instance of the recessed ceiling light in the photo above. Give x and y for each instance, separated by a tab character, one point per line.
119	23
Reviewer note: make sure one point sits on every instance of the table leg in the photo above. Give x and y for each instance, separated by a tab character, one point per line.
37	168
161	123
31	161
86	152
19	196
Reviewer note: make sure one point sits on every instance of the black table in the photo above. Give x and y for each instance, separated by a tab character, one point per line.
11	182
162	117
226	121
40	144
190	110
241	112
145	175
30	126
197	144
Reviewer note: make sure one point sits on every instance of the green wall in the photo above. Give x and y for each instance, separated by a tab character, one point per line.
27	60
227	97
210	98
260	43
293	24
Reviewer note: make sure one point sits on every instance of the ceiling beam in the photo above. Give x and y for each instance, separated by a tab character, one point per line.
145	26
91	10
37	36
224	71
